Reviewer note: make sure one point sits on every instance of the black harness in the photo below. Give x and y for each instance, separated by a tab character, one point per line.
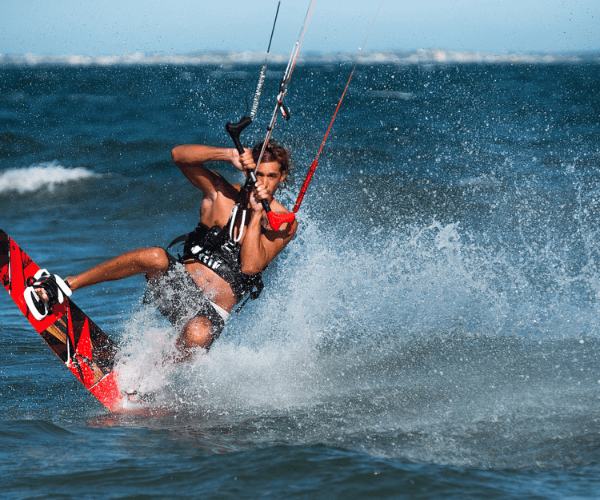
216	249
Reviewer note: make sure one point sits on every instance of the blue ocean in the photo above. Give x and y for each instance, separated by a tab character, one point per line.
433	330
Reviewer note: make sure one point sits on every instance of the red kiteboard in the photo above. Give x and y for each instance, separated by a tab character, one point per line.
80	344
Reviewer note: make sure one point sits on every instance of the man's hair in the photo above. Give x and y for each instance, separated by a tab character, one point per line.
273	152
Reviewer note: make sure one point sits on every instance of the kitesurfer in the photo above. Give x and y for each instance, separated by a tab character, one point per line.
222	259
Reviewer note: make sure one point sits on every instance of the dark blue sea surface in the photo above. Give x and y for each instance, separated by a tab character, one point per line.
431	332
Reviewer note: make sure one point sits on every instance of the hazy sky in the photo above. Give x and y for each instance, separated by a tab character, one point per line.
112	27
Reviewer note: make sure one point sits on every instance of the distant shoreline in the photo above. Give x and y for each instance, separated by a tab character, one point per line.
417	57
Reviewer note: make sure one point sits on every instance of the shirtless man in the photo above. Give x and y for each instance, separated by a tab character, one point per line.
222	259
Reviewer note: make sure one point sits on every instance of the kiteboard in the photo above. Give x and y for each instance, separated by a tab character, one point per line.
79	343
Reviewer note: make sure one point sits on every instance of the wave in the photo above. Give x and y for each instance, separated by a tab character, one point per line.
421	56
44	175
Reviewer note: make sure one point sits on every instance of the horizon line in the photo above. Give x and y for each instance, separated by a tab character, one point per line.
401	57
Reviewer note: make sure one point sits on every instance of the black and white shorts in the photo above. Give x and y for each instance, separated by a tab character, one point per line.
179	299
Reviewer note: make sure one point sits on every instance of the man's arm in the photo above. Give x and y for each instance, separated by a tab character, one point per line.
191	158
259	247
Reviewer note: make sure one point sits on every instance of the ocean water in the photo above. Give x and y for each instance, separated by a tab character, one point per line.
431	332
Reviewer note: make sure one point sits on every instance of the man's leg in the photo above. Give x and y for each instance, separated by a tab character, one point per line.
151	261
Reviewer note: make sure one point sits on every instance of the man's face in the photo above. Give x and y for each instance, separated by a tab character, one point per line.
269	174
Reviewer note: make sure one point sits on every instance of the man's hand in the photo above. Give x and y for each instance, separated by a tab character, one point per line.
245	162
242	162
258	193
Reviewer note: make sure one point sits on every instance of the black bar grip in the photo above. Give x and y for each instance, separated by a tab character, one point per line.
235	129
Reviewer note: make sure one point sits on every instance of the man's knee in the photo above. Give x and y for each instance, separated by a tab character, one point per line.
155	260
156	256
197	333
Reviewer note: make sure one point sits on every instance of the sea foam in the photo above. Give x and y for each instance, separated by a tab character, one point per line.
40	176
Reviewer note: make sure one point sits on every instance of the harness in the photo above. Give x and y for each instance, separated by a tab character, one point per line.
216	248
